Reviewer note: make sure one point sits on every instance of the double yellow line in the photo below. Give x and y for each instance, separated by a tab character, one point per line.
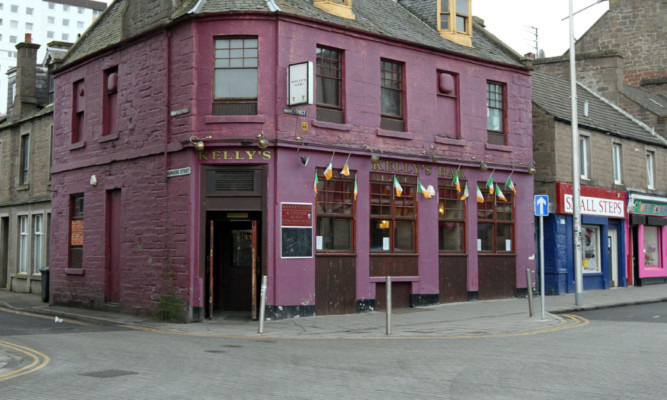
39	360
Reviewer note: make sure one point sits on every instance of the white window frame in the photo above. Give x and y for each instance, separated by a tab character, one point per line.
617	162
37	243
650	169
23	244
584	157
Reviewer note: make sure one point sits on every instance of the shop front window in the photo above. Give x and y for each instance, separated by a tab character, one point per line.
335	213
590	256
393	216
651	246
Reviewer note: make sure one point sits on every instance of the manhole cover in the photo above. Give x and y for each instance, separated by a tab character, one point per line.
110	373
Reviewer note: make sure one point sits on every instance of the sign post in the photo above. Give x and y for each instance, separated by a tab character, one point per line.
541	210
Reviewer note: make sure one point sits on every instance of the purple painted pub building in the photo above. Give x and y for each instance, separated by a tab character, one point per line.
202	145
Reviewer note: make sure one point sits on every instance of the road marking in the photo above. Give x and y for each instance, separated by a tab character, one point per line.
68	321
39	360
573	321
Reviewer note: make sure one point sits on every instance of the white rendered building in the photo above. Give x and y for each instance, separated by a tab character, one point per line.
46	21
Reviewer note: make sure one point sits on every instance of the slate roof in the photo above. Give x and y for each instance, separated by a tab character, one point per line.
552	94
383	17
656	103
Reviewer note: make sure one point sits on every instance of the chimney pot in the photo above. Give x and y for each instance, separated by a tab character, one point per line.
28	37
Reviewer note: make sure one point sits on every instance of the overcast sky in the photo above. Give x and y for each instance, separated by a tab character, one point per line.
511	22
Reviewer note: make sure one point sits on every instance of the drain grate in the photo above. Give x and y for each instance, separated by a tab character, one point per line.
109	373
215	351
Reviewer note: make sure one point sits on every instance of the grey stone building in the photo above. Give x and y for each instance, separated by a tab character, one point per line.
25	160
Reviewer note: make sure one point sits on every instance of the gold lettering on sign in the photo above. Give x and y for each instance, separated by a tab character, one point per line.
234	155
448	172
402	167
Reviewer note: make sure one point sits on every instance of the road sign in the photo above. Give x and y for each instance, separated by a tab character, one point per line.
541	205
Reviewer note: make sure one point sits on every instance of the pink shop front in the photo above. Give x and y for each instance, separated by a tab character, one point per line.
327	242
648	221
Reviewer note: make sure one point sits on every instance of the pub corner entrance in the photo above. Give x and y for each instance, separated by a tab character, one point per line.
233	264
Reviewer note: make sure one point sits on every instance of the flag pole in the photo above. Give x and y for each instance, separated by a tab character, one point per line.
576	173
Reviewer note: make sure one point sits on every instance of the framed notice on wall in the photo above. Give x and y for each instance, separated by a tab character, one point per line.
296	230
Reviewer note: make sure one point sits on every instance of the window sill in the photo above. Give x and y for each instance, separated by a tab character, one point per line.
78	145
449	141
75	271
498	147
23	187
21	275
332	125
109	138
395	134
383	279
234	119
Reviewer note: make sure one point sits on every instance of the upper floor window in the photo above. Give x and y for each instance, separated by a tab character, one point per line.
14	8
335	213
28	26
329	85
79	24
13	24
393	213
236	62
495	112
616	156
78	114
447	116
65	22
51	20
110	105
25	160
650	169
391	83
341	8
65	7
584	157
29	10
80	10
52	6
455	21
495	220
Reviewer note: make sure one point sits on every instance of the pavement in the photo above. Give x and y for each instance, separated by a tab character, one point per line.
507	317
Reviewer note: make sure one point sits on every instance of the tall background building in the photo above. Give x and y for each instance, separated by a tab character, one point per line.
46	21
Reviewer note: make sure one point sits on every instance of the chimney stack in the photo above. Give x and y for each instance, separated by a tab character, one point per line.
26	69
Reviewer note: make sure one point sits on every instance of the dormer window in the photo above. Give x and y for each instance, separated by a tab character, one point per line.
455	21
340	8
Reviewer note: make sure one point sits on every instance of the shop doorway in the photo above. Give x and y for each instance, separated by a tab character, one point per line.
232	264
612	249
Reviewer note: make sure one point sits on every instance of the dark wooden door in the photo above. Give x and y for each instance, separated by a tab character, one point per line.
335	284
113	220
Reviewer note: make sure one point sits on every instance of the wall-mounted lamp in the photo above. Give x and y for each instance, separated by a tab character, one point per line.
531	170
262	142
434	158
199	143
304	159
483	167
375	158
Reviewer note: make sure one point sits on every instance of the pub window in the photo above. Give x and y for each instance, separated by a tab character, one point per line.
451	213
235	68
393	218
335	213
391	82
330	85
495	222
76	231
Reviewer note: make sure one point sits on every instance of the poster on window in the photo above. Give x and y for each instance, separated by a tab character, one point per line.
590	262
